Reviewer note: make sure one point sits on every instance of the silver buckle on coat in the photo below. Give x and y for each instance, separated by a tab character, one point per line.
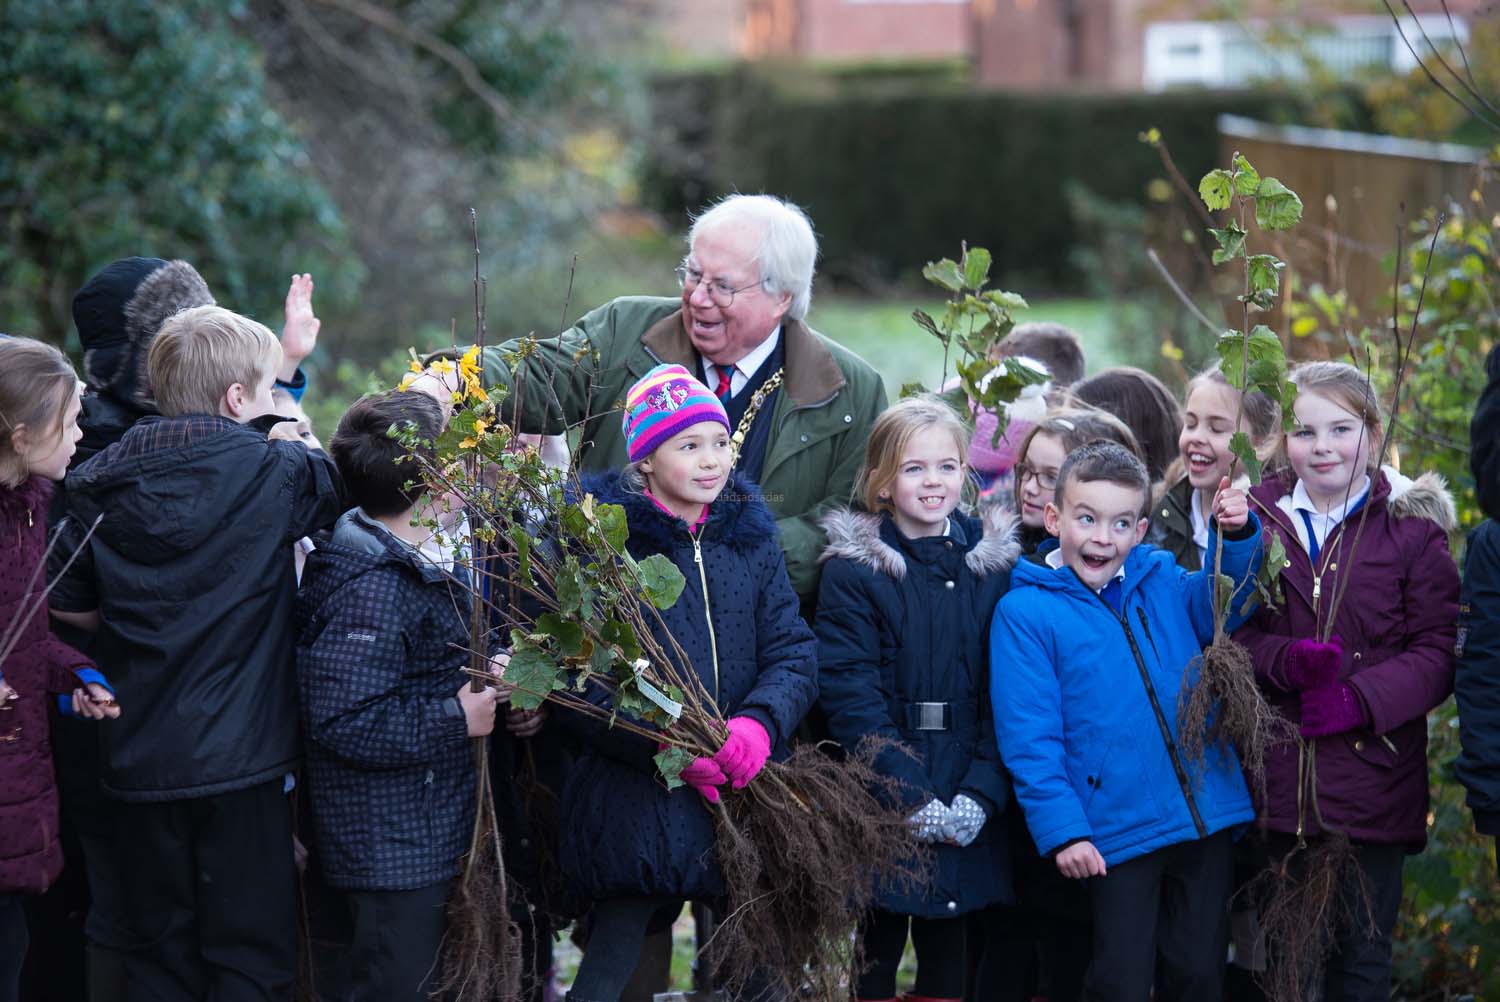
930	716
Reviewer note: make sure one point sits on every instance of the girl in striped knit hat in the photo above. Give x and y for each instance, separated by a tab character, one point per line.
633	846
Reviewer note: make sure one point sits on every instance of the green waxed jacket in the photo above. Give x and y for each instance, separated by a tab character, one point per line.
822	417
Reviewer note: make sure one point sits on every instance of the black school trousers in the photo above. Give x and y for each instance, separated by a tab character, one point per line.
1162	919
210	897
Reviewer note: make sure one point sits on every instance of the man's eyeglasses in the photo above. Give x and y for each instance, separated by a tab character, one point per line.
719	291
1046	481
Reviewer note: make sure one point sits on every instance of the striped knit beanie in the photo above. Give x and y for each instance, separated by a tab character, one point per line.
663	402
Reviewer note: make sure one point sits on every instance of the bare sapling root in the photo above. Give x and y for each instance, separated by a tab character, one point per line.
1303	900
482	952
1226	704
804	849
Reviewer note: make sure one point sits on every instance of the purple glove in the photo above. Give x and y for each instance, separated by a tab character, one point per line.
1332	709
1311	665
705	776
745	750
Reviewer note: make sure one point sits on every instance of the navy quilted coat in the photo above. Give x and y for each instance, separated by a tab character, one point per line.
905	621
624	833
390	772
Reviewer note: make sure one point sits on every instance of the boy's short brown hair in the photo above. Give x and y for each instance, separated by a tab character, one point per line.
1055	346
201	352
375	465
1106	461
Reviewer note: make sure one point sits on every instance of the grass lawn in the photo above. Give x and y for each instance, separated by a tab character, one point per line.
883	333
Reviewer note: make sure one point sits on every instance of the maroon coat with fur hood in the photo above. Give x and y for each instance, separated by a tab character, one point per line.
1397	621
39	663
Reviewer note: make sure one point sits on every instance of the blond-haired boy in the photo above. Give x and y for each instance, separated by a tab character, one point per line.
189	582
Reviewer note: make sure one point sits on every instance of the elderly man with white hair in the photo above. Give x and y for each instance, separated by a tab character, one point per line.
801	405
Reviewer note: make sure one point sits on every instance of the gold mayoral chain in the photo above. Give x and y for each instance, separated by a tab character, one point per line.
767	388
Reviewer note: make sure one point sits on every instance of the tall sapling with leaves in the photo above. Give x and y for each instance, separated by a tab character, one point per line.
1225	702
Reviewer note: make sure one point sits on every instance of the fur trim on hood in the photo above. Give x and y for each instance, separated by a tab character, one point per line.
1425	497
118	312
856	536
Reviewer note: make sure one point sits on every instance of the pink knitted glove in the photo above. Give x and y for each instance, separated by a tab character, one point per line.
745	751
1332	709
1311	665
705	776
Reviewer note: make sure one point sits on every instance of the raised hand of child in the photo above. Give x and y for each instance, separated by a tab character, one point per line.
704	775
928	824
299	335
479	709
93	701
1081	860
744	752
1231	507
965	818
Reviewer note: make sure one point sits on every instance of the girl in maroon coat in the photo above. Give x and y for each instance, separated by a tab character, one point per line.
1367	551
39	405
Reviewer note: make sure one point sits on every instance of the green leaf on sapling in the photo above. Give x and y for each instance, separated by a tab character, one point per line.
925	321
1265	375
534	673
612	523
945	273
569	586
1231	243
670	762
567	633
1277	207
1224	585
1215	189
1264	345
976	267
622	635
912	389
661	581
1244	449
1264	272
1262	301
522	540
1009	300
1246	178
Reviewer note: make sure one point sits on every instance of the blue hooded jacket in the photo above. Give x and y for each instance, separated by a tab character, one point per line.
1086	699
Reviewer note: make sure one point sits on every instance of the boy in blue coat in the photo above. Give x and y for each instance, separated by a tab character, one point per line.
1089	649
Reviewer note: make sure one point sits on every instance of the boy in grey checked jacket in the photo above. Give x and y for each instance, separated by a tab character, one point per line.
387	711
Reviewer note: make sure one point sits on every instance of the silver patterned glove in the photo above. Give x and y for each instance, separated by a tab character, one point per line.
965	818
927	824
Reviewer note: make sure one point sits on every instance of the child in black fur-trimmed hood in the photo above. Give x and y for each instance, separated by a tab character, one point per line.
903	614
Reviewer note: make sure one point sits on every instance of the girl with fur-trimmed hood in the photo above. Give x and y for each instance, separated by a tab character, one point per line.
903	615
1369	548
630	844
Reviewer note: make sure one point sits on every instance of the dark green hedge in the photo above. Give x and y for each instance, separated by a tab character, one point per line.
894	176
